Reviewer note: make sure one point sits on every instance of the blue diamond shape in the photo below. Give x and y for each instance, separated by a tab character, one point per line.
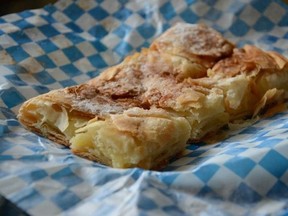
45	61
23	24
48	19
165	26
74	27
250	130
8	113
5	146
136	173
98	13
44	78
260	5
11	97
239	28
278	191
13	78
123	48
240	166
274	163
34	175
66	83
74	38
206	172
17	53
41	89
146	30
145	13
26	14
67	177
73	53
27	198
122	30
284	20
169	178
189	2
97	61
213	14
123	2
206	191
92	74
47	46
263	24
189	16
4	130
192	147
48	30
269	39
167	11
71	70
65	199
98	31
13	122
73	11
279	50
98	178
50	8
146	203
5	157
244	194
209	2
20	37
100	47
122	14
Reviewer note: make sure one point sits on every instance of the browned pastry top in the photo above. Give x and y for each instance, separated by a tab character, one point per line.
172	73
249	60
195	42
190	83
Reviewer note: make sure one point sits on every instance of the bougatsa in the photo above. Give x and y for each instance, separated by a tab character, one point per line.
187	85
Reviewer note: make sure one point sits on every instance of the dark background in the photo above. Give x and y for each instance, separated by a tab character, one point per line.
14	6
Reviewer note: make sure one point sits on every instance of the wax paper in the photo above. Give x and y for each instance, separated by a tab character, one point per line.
72	41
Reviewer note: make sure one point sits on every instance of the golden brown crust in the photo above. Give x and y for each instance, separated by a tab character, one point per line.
189	83
195	42
249	60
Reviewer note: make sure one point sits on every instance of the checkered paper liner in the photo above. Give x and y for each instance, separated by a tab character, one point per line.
72	41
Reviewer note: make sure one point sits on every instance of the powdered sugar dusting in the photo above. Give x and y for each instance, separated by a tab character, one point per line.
194	39
97	108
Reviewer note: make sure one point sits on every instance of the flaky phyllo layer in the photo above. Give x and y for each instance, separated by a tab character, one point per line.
190	83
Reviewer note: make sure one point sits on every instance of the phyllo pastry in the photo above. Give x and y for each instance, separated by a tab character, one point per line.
187	85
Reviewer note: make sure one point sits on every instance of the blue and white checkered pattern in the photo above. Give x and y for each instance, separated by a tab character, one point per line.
70	42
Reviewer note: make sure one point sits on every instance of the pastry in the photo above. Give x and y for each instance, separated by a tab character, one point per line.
188	84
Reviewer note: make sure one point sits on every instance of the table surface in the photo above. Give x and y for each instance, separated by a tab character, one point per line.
7	208
14	6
